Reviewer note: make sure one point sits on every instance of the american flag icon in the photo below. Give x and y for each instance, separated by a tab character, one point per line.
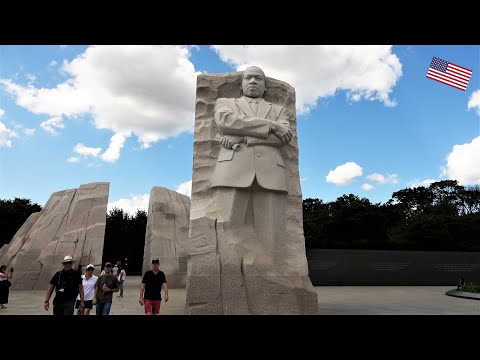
449	73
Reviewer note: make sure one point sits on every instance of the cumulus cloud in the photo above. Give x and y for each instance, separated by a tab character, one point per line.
474	102
463	163
367	187
416	183
136	202
344	174
364	72
113	152
185	188
147	91
73	159
2	112
86	151
6	135
52	123
381	179
53	63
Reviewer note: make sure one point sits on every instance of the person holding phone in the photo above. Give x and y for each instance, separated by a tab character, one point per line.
5	285
105	286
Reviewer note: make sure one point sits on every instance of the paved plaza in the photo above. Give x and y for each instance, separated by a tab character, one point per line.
333	300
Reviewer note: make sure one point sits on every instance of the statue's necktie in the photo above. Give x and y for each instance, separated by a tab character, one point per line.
254	106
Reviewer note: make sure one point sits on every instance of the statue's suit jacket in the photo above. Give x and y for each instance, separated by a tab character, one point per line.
260	155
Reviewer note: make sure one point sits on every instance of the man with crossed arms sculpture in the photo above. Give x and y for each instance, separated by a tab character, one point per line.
249	177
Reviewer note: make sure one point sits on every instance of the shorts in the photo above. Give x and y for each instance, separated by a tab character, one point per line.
152	306
88	304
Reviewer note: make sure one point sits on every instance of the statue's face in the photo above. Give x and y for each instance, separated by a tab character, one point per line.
253	83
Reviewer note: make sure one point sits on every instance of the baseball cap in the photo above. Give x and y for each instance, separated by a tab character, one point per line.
90	266
67	258
155	261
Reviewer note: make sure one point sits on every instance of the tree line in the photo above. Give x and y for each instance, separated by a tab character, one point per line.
442	216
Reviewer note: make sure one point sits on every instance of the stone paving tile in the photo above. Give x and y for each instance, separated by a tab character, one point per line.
333	300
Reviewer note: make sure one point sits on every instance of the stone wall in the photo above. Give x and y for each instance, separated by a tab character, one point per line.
72	222
391	267
166	235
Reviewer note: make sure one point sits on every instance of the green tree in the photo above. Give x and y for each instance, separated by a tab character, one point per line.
13	213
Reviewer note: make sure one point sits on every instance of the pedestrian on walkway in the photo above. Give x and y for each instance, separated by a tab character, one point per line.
67	284
5	284
121	279
88	282
105	286
151	289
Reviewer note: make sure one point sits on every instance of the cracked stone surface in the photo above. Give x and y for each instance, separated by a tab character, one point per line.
72	222
166	235
227	276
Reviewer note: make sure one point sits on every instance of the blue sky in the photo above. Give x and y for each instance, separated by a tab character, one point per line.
369	121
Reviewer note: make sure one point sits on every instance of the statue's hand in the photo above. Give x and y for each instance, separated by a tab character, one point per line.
282	132
228	141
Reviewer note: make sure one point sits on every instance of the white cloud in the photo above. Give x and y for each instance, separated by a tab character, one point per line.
381	179
303	179
6	135
52	123
53	63
31	77
2	112
86	151
367	187
474	102
113	152
344	174
185	188
147	91
29	132
137	202
463	163
416	183
364	72
73	159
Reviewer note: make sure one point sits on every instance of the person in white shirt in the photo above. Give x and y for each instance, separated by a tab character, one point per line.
115	270
88	282
121	279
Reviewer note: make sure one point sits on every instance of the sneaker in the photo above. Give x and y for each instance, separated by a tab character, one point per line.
2	306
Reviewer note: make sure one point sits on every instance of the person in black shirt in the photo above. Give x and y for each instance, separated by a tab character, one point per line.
67	284
151	289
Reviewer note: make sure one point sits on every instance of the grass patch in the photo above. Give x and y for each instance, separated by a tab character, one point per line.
472	287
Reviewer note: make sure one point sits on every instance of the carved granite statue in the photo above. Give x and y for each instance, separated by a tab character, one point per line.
71	222
246	246
167	233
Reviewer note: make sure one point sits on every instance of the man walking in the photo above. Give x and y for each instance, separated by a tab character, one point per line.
67	284
151	289
106	285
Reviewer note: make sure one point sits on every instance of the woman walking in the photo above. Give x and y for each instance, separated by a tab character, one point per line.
4	285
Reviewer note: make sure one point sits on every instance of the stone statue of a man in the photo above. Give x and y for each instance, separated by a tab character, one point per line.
250	182
246	250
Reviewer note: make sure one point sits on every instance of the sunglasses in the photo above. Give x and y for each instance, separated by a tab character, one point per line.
90	269
68	262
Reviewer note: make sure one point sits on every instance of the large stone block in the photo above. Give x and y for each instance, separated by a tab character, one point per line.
72	222
234	269
166	235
